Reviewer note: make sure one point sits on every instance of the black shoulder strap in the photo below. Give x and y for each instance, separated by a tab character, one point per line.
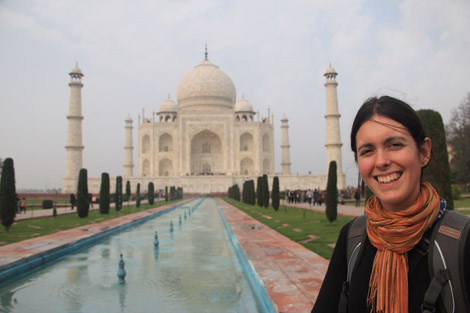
355	242
354	246
446	265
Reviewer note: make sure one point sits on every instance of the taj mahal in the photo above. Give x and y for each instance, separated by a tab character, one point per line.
204	142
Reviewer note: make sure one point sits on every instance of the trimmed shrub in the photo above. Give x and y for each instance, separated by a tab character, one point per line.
265	191
83	204
151	194
8	202
332	193
128	191
259	191
118	195
166	193
437	172
137	195
275	194
104	194
47	204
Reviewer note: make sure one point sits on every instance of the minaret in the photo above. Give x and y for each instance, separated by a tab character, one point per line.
128	149
285	164
333	137
74	147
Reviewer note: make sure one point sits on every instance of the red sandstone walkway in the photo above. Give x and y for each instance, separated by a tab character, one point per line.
291	274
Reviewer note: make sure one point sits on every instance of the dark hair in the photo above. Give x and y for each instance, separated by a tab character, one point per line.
392	108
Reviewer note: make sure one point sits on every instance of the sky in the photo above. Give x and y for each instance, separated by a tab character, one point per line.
135	53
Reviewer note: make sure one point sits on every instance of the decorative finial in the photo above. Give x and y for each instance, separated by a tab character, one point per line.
169	96
243	96
206	53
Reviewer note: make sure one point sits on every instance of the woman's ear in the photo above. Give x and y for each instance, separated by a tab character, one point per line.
425	151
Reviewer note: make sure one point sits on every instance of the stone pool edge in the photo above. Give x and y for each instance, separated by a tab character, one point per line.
252	277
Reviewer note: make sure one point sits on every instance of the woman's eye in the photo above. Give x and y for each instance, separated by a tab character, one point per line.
365	152
396	145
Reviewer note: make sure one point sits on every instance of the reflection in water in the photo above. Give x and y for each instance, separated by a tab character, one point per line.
192	270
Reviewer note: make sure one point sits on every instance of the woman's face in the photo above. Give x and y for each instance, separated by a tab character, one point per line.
390	162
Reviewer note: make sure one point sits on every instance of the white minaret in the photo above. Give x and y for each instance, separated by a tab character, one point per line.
74	147
285	164
333	137
128	150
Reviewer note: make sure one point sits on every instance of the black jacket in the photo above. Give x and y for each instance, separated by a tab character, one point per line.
418	278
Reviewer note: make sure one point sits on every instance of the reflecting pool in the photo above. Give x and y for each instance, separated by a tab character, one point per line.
194	269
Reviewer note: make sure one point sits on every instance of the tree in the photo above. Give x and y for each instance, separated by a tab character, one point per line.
137	196
265	191
166	193
118	193
259	191
151	194
458	134
275	193
332	193
83	203
8	201
104	194
128	191
437	172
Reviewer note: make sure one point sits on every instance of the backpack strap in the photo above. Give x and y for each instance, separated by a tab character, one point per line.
446	265
354	246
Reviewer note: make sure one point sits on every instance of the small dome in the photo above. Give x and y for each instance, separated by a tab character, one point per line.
76	70
243	106
128	119
284	118
168	106
206	86
330	70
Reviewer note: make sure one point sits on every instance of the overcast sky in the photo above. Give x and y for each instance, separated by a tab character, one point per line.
134	53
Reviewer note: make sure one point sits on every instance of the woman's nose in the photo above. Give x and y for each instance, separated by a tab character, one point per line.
382	159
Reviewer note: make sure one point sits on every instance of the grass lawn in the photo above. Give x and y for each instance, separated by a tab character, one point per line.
26	229
310	229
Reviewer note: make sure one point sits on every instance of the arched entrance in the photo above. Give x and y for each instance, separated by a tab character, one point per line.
206	154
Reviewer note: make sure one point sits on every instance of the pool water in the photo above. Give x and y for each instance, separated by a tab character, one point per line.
194	269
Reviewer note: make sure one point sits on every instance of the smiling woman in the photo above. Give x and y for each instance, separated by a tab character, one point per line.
391	149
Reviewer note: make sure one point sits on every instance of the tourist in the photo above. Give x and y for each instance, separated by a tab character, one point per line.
315	197
391	273
72	201
309	195
23	205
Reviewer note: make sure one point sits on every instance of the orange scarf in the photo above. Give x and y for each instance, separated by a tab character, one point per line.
394	234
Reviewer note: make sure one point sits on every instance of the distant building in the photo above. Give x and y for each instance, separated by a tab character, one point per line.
206	141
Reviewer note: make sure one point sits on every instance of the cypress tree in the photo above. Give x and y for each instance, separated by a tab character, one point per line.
252	192
172	193
137	199
259	191
128	191
104	194
8	200
166	193
332	193
236	192
265	191
437	172
151	194
275	193
118	193
83	203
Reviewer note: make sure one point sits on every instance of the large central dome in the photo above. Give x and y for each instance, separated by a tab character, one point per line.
206	87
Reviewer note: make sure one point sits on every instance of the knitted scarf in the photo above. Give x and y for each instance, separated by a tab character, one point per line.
394	234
